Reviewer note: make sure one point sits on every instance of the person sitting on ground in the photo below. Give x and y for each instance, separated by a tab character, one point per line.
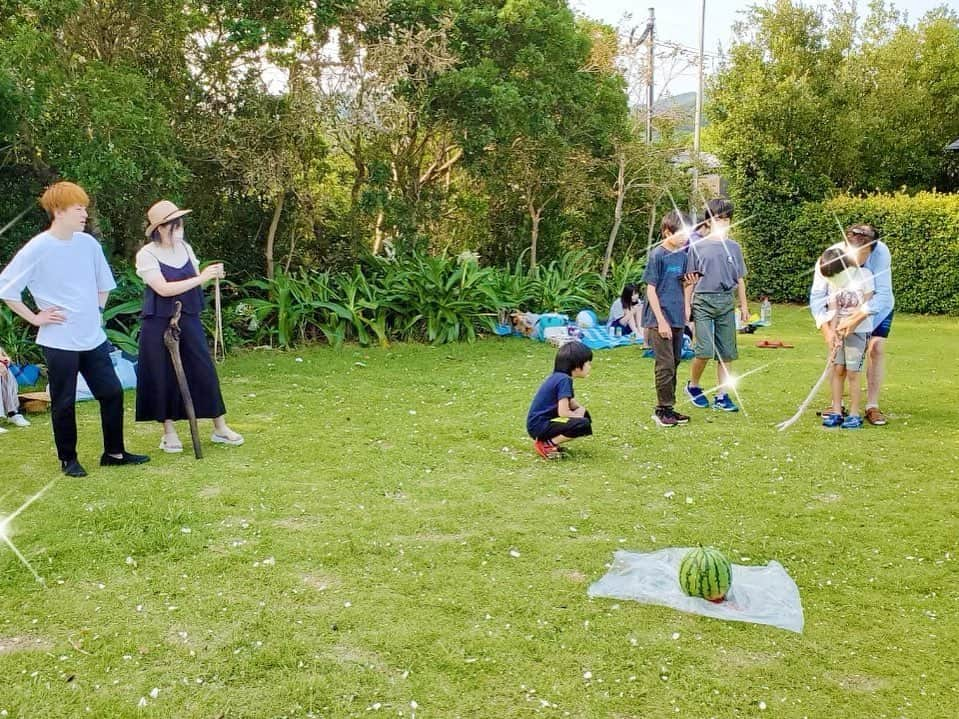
555	416
846	323
627	311
10	394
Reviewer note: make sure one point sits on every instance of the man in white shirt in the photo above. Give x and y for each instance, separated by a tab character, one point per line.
69	278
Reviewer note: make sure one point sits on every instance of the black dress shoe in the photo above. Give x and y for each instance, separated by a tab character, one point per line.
73	468
108	460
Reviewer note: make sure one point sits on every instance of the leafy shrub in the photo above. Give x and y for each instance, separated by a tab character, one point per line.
922	232
18	338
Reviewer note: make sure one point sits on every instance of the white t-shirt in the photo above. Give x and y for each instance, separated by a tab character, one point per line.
150	256
847	294
616	311
68	274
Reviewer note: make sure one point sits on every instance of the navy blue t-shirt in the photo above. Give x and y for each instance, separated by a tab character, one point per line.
545	406
665	270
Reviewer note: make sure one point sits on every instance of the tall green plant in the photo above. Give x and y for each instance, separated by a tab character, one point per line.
17	338
445	300
568	284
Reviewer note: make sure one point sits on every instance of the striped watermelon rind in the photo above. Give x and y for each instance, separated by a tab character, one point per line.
705	572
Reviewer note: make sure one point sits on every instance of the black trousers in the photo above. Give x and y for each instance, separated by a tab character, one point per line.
568	426
97	370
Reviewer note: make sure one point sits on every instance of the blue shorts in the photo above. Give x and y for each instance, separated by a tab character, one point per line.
622	324
882	329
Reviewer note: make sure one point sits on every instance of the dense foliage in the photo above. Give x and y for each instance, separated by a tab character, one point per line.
307	134
813	104
922	232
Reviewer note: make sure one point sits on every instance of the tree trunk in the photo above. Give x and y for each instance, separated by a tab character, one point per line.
378	232
271	235
534	216
617	213
652	228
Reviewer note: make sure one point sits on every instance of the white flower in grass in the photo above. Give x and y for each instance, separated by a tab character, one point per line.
514	553
155	692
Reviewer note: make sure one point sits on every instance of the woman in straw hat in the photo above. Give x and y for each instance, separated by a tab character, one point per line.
172	274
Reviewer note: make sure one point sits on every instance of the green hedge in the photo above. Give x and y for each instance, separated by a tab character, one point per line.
922	232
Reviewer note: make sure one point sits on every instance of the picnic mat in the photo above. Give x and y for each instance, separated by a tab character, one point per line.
762	595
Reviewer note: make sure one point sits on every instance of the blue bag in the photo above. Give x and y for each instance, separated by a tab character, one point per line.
25	375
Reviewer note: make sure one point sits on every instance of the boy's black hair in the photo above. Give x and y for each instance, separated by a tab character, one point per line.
673	221
627	295
719	208
833	261
572	355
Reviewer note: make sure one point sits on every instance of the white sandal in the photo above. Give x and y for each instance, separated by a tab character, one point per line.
221	439
170	448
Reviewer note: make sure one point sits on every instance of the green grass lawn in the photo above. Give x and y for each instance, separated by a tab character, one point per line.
354	557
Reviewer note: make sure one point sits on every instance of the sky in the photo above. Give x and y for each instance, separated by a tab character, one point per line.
677	21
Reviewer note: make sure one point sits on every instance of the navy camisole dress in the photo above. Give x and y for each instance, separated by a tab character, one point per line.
158	394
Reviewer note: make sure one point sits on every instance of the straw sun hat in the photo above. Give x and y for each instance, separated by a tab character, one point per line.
162	212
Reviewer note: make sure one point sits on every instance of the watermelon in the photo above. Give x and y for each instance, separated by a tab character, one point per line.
705	572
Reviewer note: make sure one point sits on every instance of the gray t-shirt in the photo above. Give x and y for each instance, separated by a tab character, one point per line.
720	262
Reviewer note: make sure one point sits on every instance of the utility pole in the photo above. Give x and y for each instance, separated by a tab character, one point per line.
699	105
650	48
648	37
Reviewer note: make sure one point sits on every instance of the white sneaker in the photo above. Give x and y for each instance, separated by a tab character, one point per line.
19	420
220	439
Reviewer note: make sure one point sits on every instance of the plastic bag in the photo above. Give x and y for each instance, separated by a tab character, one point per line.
126	372
763	595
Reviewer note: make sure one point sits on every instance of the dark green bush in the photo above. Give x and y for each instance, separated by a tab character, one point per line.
922	232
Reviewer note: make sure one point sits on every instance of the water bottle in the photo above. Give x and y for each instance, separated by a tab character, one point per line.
766	311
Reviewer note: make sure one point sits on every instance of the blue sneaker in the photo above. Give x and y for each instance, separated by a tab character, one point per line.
831	420
697	396
853	421
722	401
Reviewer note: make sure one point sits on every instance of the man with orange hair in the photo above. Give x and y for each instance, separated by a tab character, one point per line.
69	278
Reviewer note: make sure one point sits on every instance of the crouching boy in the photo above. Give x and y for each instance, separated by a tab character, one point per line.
555	416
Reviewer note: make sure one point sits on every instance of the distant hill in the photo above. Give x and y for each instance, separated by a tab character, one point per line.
685	101
683	105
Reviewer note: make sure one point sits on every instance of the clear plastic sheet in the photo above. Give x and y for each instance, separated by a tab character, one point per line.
762	595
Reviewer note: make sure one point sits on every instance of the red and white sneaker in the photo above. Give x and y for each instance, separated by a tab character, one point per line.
546	450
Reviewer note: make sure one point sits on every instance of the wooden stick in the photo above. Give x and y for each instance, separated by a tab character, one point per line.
219	348
805	405
171	338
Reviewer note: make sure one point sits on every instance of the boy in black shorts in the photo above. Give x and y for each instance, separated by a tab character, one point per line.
555	416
